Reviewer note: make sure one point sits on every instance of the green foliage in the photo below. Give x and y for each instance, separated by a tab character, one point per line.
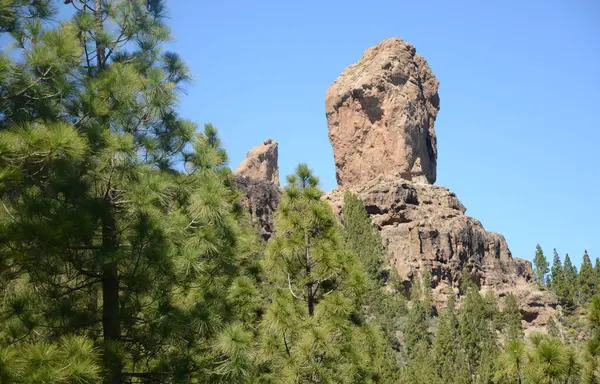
477	334
571	291
313	331
361	237
511	317
101	233
558	277
541	265
383	303
587	280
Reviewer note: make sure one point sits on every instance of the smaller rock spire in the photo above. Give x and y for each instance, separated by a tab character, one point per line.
261	163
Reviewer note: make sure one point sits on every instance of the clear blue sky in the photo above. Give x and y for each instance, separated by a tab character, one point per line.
518	127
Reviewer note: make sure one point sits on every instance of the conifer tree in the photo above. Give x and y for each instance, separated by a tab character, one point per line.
552	327
446	351
541	265
383	302
591	353
427	294
361	237
313	331
101	233
558	278
417	339
571	291
512	318
597	276
587	280
477	335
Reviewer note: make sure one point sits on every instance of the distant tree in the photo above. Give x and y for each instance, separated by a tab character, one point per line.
541	265
553	328
417	339
512	318
587	280
558	278
466	281
597	275
360	236
427	294
571	292
477	334
449	359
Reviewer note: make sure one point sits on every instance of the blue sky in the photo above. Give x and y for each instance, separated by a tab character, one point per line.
518	127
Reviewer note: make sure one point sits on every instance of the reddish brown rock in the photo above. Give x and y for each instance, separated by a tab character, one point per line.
425	227
261	163
380	115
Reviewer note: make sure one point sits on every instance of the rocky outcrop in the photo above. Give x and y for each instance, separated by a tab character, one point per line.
380	115
257	177
261	199
261	163
425	227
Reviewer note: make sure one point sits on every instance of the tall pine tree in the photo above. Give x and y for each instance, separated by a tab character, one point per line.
102	235
587	280
541	265
313	330
570	296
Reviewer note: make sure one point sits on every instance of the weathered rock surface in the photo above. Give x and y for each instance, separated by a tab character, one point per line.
261	199
261	163
380	114
425	227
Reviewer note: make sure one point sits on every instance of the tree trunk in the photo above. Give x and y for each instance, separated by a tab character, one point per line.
99	48
309	286
110	297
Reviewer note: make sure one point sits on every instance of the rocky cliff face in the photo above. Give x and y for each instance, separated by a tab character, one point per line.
380	114
261	163
257	177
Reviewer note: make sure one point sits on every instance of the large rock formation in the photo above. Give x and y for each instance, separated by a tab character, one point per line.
257	177
425	227
261	163
380	113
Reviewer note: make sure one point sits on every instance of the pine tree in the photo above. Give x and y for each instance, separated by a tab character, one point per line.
477	334
587	280
541	265
558	279
101	233
427	294
571	290
591	353
597	275
511	363
445	351
382	303
552	327
417	339
313	331
361	237
512	319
